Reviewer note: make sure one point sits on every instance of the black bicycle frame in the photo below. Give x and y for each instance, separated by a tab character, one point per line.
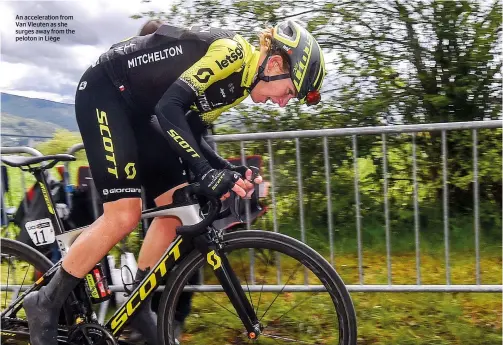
180	248
72	301
39	174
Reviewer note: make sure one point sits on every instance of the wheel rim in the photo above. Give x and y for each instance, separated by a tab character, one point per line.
17	275
286	317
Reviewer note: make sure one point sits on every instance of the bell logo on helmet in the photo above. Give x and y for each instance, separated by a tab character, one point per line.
287	49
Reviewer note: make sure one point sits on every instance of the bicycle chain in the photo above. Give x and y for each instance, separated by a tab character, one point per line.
89	334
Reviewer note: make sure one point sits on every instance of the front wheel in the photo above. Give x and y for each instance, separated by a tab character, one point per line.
296	294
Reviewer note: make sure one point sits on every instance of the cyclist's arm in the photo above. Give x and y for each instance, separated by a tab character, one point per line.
182	93
198	128
214	158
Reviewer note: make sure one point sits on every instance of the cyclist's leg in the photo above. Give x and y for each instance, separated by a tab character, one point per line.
106	131
159	236
161	174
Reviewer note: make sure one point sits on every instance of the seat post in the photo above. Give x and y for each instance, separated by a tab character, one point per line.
39	174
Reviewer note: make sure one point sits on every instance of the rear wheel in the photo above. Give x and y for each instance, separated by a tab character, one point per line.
296	294
21	266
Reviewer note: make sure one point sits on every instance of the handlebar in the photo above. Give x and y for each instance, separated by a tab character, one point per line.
214	208
213	213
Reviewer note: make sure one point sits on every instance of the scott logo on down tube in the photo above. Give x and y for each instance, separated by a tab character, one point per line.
214	260
46	198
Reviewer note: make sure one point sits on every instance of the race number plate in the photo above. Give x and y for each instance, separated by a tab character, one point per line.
41	231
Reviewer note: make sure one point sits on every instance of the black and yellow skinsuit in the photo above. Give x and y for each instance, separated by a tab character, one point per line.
187	77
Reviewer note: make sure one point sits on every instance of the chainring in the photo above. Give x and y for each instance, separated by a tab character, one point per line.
91	334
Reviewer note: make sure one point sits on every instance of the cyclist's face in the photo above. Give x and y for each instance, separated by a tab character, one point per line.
277	91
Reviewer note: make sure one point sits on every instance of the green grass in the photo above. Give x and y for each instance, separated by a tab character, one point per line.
388	318
428	318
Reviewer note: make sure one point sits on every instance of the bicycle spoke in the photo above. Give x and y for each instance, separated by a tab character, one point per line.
294	307
289	278
22	283
232	329
7	288
262	256
246	280
272	339
211	299
259	298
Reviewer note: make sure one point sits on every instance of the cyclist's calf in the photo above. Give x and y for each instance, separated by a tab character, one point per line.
118	220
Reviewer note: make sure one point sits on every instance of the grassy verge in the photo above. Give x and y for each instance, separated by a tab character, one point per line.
394	318
385	318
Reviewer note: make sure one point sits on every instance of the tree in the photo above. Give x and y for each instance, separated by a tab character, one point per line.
389	61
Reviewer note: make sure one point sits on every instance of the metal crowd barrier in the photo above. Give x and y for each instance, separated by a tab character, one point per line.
354	132
324	134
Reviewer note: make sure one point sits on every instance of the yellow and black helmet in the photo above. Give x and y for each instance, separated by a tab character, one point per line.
307	65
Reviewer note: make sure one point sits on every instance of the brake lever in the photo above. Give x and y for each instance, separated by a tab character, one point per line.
235	207
236	199
255	174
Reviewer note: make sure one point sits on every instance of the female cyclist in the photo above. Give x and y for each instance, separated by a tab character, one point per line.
187	78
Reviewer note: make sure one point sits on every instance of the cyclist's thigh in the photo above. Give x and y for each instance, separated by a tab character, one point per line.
161	168
105	123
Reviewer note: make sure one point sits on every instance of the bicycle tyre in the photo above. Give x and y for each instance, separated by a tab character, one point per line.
25	253
258	239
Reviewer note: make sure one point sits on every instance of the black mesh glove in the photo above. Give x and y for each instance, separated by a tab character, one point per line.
216	183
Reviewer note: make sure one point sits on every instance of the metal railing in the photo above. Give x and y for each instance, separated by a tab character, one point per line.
324	134
354	133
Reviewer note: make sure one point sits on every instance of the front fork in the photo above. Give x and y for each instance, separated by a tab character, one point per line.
209	245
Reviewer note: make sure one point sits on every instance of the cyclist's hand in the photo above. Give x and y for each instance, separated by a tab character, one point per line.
248	173
217	183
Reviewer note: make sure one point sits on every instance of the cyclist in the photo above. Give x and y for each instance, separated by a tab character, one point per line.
187	78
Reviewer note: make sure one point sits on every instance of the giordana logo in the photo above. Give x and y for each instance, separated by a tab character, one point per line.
121	190
232	56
